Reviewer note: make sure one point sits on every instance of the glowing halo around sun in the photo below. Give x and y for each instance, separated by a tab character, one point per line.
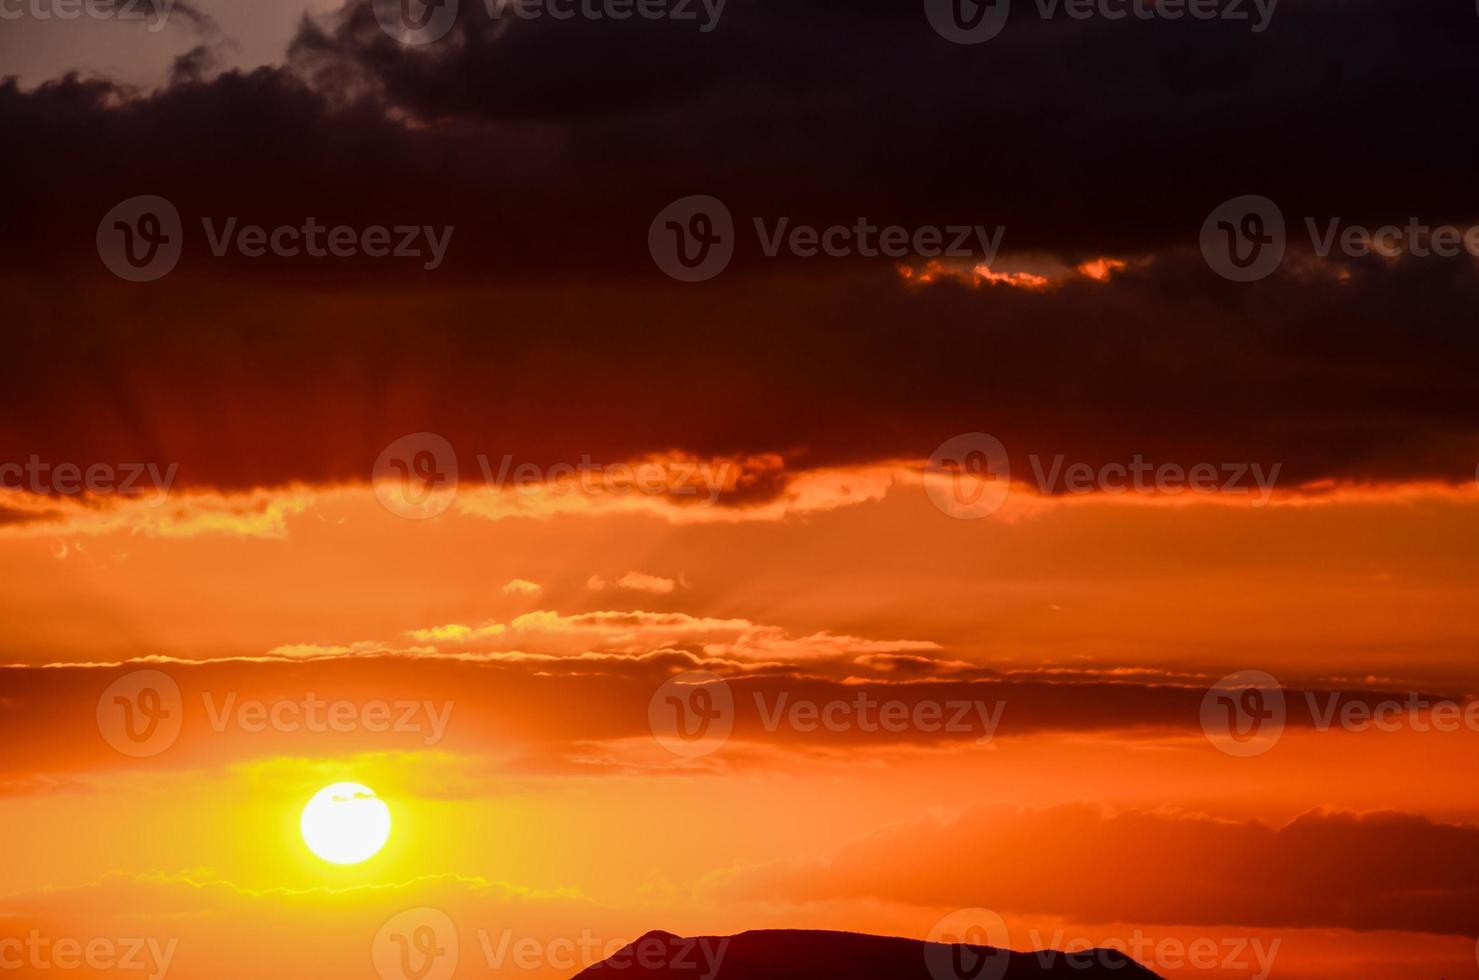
345	823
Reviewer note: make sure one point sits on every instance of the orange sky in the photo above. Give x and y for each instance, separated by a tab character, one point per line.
532	802
667	550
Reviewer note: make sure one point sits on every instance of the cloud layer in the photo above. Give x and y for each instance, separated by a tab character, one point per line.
549	317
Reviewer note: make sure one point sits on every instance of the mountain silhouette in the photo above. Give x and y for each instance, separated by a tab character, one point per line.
793	954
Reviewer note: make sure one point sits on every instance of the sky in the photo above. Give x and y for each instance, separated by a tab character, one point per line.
760	465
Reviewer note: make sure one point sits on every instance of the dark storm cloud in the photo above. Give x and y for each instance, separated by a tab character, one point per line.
549	332
1081	135
243	385
563	138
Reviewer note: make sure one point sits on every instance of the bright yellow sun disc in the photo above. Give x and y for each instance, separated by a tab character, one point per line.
345	823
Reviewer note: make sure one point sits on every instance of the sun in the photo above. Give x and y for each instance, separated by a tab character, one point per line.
345	823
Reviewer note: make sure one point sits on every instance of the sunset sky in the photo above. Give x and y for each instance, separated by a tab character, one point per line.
489	532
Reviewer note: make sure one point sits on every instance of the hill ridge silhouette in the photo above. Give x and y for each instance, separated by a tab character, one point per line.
807	954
